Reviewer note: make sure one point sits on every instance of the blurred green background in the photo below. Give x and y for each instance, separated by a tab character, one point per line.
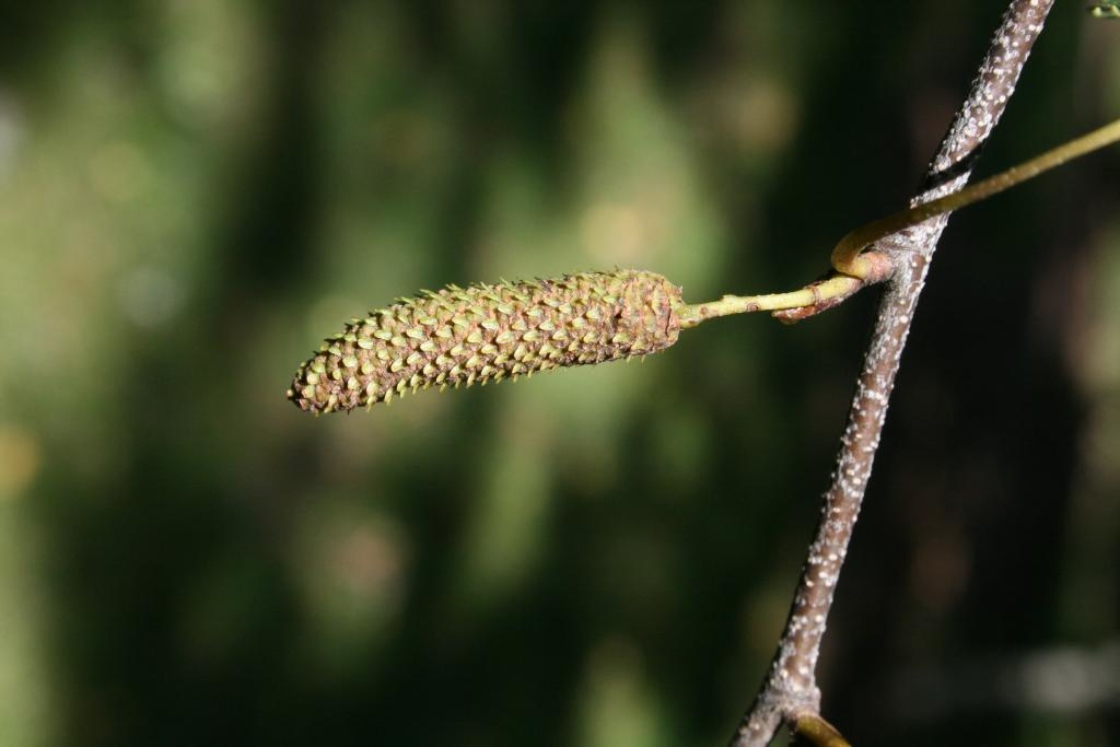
194	192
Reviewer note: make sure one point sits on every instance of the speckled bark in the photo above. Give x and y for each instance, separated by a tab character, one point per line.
791	685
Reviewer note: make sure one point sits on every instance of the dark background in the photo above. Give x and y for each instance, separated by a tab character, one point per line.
194	192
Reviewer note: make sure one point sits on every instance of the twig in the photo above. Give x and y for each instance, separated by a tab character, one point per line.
814	729
790	690
856	267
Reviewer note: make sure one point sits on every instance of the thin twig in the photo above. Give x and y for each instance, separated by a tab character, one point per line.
854	268
791	688
814	729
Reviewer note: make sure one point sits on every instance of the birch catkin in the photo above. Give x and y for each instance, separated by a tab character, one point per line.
463	336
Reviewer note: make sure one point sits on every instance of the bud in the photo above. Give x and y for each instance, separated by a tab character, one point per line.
488	333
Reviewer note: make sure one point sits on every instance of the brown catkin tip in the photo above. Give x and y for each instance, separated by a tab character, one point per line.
488	333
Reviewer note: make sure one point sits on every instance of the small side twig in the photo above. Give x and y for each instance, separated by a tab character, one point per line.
814	729
790	691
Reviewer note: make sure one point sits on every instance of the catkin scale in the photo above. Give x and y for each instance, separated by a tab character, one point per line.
489	332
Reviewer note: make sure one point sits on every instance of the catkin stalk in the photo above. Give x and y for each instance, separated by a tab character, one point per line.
482	333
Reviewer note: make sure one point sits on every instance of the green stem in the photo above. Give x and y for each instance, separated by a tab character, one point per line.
818	731
846	256
811	295
856	268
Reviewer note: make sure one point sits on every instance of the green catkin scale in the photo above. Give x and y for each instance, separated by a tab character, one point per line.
463	336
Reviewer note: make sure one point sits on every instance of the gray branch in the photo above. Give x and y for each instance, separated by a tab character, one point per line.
791	687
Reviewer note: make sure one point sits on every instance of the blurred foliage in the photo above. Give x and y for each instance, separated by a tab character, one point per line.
193	192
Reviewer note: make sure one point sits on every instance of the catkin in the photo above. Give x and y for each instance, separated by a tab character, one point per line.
463	336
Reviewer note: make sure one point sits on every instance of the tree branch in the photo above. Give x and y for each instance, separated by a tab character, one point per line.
790	690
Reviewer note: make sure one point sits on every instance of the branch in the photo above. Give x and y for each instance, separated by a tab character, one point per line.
790	689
